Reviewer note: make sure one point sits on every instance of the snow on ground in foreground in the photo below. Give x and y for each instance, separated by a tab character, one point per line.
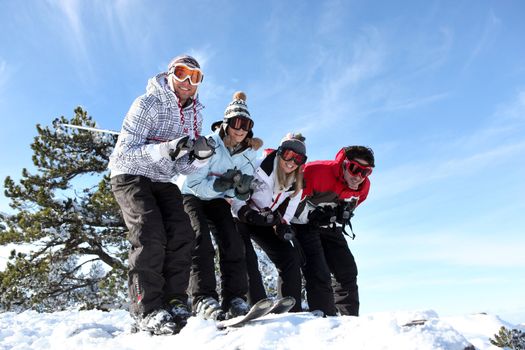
99	330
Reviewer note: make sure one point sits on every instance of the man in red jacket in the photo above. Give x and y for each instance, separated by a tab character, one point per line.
334	188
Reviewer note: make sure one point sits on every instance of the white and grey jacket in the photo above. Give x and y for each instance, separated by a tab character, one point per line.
153	118
267	193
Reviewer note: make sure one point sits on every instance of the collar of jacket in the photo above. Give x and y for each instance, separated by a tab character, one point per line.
267	163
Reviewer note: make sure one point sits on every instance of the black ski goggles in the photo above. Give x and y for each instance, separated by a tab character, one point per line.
238	123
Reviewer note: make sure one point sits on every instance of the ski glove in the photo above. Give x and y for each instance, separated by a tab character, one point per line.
322	216
203	148
242	187
227	180
284	231
345	211
175	149
253	217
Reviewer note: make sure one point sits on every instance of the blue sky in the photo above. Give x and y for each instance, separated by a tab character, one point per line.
436	88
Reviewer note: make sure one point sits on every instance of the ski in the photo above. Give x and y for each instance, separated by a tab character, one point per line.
260	309
282	305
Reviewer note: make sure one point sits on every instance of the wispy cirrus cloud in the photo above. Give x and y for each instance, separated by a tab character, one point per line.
406	177
513	111
487	37
461	246
5	75
71	21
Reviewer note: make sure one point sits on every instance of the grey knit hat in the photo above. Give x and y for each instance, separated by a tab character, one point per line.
294	142
185	59
237	107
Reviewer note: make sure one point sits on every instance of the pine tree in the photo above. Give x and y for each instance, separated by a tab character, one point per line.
509	338
68	215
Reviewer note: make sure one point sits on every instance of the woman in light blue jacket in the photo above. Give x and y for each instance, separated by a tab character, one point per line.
228	174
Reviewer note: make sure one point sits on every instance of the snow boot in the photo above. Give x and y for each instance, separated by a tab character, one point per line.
238	307
209	309
180	312
158	322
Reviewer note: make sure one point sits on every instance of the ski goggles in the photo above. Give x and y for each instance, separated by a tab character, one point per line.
288	154
354	168
182	72
237	123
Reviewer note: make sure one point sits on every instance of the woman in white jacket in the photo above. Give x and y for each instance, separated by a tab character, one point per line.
266	216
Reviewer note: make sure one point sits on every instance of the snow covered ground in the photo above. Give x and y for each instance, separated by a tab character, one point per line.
99	330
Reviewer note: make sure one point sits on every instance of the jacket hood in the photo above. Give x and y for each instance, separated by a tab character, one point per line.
339	159
159	88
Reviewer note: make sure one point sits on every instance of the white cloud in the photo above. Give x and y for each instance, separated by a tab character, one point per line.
76	34
485	39
406	177
513	111
4	74
445	247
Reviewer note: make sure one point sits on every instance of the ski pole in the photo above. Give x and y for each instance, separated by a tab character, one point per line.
90	129
105	131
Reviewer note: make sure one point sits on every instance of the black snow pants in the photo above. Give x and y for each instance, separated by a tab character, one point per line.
256	289
161	240
232	264
326	252
284	256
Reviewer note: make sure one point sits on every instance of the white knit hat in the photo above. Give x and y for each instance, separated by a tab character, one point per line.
237	107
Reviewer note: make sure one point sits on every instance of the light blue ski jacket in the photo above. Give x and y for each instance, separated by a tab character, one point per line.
200	183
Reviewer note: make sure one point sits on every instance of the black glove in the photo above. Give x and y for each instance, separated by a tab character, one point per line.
284	231
345	210
203	148
322	216
253	217
227	180
242	187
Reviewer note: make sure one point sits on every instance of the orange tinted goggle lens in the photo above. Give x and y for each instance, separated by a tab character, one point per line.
183	72
240	123
288	154
355	169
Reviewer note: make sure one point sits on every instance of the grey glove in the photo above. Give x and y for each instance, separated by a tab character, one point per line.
175	149
203	148
242	187
227	180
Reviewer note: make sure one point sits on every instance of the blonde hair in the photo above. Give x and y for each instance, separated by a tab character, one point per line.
285	180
